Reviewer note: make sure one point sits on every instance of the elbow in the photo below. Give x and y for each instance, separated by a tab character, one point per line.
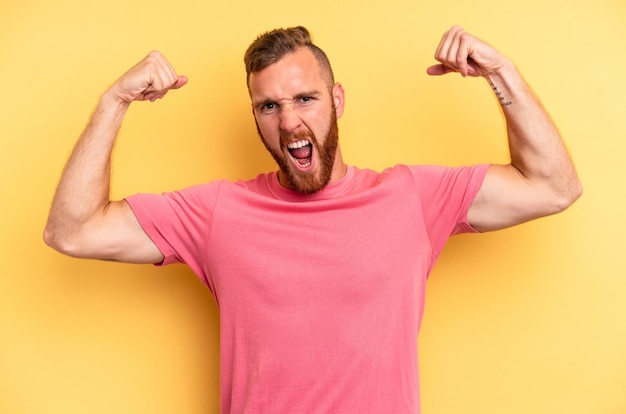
568	196
52	239
58	241
49	237
578	191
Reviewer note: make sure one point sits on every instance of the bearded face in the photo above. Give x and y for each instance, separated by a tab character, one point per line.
296	110
305	161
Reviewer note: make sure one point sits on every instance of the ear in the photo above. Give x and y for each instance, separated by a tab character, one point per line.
339	99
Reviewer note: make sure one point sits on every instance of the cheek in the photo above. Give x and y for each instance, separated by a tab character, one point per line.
320	126
267	130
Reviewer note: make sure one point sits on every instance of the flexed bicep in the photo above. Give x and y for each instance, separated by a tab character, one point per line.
83	221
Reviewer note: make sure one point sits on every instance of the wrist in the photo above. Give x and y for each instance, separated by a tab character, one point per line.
506	74
110	110
506	83
111	101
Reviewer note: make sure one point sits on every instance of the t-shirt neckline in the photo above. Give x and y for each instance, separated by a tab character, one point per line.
332	190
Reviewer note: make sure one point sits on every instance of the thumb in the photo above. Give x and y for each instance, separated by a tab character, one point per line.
438	70
180	82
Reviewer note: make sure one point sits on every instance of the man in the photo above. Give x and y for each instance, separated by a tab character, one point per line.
318	269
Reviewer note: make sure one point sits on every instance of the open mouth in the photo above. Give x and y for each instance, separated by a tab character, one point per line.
301	152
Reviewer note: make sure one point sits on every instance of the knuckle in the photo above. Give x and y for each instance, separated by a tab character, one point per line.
465	37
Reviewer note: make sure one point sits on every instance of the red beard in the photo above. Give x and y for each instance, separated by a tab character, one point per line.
307	182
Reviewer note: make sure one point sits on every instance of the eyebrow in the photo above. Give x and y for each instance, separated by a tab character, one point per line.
314	94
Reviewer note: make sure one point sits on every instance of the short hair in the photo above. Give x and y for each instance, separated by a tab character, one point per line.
270	47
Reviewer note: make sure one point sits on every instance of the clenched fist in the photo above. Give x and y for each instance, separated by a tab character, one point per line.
149	79
460	52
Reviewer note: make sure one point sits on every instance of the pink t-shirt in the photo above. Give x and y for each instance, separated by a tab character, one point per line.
320	296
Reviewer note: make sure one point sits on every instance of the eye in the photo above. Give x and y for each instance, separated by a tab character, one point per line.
303	100
268	107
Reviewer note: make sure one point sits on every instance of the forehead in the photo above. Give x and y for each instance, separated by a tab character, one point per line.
293	74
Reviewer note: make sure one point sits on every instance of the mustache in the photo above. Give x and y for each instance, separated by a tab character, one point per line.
286	137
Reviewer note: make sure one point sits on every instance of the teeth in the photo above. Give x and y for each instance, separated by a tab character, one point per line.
298	144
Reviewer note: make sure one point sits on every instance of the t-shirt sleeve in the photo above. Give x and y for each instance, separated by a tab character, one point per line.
446	194
178	222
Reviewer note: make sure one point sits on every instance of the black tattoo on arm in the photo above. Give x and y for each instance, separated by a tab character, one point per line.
501	98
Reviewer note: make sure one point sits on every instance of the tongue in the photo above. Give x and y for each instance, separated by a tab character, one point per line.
301	153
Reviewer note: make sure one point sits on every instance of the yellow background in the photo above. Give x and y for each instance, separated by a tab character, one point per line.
526	320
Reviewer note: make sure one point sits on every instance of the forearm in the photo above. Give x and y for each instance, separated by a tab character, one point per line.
536	148
540	179
83	191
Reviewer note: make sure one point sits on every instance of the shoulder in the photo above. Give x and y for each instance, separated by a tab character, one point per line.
196	198
433	174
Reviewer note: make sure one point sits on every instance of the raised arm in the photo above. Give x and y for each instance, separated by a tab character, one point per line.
83	221
541	178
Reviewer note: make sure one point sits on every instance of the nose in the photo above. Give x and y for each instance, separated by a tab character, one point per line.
289	119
